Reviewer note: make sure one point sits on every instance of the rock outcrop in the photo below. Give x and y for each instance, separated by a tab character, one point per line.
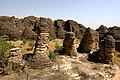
102	29
10	30
89	42
49	22
28	34
60	32
68	44
73	26
40	56
57	27
107	49
67	68
115	32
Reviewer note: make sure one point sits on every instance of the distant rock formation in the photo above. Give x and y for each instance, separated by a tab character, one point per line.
89	42
73	26
50	24
113	31
10	30
57	27
60	32
102	29
28	34
68	44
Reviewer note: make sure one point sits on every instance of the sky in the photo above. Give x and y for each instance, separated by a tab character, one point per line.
91	13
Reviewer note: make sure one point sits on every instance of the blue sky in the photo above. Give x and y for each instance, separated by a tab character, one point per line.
91	13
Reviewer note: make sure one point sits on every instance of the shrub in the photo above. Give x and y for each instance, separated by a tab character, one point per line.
58	50
4	54
24	42
32	43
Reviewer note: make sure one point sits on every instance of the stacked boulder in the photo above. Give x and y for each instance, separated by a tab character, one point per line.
89	42
68	44
40	56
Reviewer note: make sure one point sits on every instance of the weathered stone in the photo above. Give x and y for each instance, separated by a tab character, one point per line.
50	24
10	30
107	49
28	34
73	26
117	45
89	42
102	30
40	58
68	44
60	25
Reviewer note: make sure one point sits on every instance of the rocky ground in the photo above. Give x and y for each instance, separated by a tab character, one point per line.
68	68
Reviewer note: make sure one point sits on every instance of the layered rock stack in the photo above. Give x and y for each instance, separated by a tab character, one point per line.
107	49
89	42
40	57
68	44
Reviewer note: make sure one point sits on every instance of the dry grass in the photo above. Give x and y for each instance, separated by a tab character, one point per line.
25	47
117	58
55	42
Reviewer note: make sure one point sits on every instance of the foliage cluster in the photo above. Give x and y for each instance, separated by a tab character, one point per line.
4	54
58	50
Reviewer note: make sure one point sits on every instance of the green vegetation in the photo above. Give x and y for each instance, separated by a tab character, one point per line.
4	55
58	50
31	43
55	31
24	42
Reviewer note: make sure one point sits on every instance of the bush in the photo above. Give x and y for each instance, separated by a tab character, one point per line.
58	50
32	43
24	42
4	54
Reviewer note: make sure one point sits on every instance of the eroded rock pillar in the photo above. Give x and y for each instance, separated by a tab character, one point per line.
107	49
68	44
89	42
40	57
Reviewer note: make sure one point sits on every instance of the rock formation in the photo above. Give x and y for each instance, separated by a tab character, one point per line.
102	30
57	27
40	56
89	42
49	22
73	26
60	25
10	30
28	34
68	44
107	49
115	32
